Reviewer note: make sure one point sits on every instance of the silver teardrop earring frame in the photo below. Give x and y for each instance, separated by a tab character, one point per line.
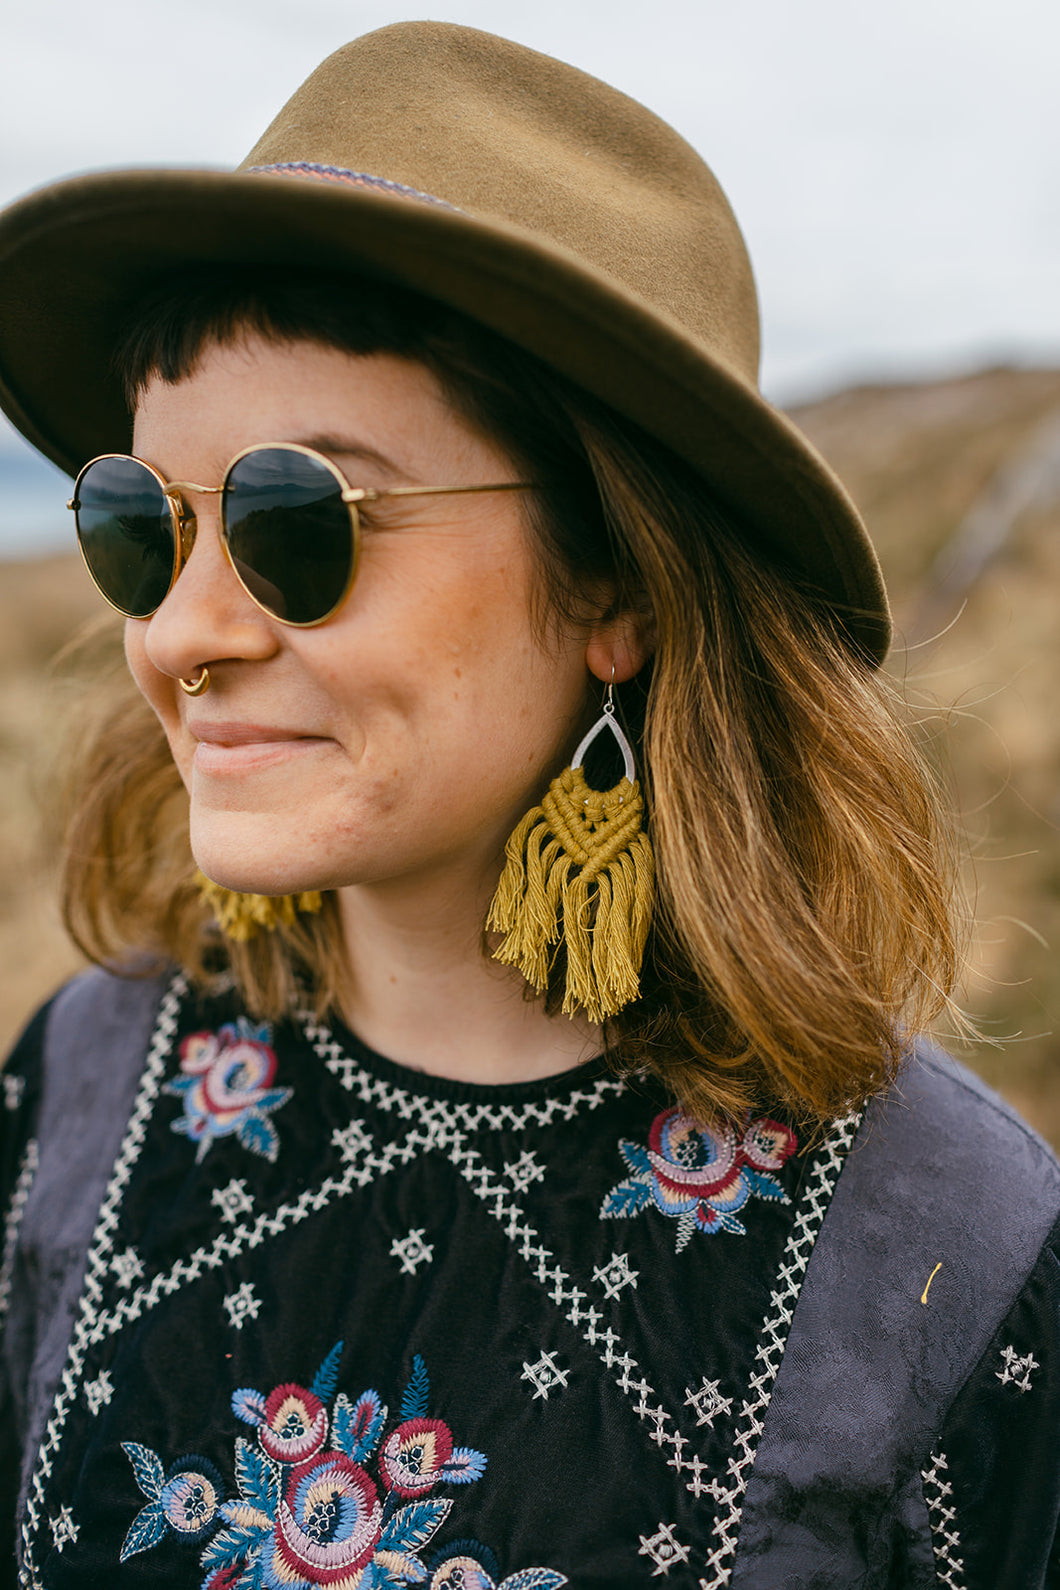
608	720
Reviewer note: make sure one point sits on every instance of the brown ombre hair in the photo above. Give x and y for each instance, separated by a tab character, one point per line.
804	926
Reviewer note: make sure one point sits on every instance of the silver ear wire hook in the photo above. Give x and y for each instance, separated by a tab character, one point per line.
609	699
608	720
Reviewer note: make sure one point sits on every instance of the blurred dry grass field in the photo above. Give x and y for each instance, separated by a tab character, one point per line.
918	459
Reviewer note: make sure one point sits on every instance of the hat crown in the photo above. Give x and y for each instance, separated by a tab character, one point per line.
502	183
504	133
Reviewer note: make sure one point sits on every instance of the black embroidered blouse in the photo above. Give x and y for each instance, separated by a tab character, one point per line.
283	1314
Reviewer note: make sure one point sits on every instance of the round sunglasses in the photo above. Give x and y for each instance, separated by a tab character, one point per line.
289	528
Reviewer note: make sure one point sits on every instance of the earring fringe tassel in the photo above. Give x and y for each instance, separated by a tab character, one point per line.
244	916
580	867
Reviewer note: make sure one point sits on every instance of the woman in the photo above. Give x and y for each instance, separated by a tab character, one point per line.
493	1154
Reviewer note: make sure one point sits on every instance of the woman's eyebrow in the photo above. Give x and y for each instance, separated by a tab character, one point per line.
344	447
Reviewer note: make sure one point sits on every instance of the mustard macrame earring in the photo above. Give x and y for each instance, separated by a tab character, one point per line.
580	867
244	916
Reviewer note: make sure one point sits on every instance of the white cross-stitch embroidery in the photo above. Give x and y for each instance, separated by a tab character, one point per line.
500	1201
98	1392
697	1484
412	1250
350	1141
664	1549
616	1274
14	1087
63	1528
242	1305
233	1200
228	1245
524	1171
127	1266
809	1216
545	1375
13	1221
1016	1370
96	1266
442	1125
945	1539
707	1401
441	1112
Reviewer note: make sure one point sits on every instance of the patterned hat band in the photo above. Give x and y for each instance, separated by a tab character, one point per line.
349	179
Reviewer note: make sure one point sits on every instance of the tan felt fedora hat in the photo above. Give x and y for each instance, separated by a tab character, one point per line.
515	188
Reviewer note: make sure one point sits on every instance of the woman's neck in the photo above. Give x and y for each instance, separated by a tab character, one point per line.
425	993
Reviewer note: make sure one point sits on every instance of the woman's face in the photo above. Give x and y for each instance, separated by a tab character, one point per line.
404	737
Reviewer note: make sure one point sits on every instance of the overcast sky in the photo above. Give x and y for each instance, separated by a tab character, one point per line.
896	168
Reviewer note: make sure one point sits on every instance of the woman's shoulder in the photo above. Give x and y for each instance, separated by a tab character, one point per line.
944	1206
91	1013
931	1301
948	1160
69	1081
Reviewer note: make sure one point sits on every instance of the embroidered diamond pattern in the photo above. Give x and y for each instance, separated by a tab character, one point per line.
560	1288
412	1250
524	1171
98	1392
1016	1370
707	1402
616	1274
242	1305
351	1140
435	1124
127	1266
664	1549
63	1528
233	1200
545	1375
14	1087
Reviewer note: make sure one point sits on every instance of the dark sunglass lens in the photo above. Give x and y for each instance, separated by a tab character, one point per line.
289	533
126	534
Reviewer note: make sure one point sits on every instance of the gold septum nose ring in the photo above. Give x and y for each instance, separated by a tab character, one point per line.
196	687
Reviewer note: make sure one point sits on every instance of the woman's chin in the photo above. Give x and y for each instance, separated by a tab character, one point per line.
257	874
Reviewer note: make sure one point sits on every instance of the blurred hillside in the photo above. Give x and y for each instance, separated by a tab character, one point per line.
960	483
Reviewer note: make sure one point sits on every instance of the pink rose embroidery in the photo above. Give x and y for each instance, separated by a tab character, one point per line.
701	1176
226	1085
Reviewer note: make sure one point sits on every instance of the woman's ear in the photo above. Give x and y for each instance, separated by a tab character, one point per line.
620	645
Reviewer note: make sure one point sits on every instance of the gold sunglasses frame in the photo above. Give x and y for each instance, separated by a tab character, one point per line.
184	523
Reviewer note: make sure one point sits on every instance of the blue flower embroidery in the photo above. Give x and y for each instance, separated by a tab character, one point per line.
226	1087
184	1499
700	1176
324	1498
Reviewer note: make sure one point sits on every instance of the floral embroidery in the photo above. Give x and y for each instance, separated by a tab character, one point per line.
308	1508
227	1088
701	1176
468	1565
184	1499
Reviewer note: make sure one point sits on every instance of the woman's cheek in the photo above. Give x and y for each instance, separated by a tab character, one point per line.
147	678
159	691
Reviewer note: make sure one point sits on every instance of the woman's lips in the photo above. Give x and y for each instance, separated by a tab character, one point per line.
242	747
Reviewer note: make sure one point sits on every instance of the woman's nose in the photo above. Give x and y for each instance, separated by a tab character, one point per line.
207	618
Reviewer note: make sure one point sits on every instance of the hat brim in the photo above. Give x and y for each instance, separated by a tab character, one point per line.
75	255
